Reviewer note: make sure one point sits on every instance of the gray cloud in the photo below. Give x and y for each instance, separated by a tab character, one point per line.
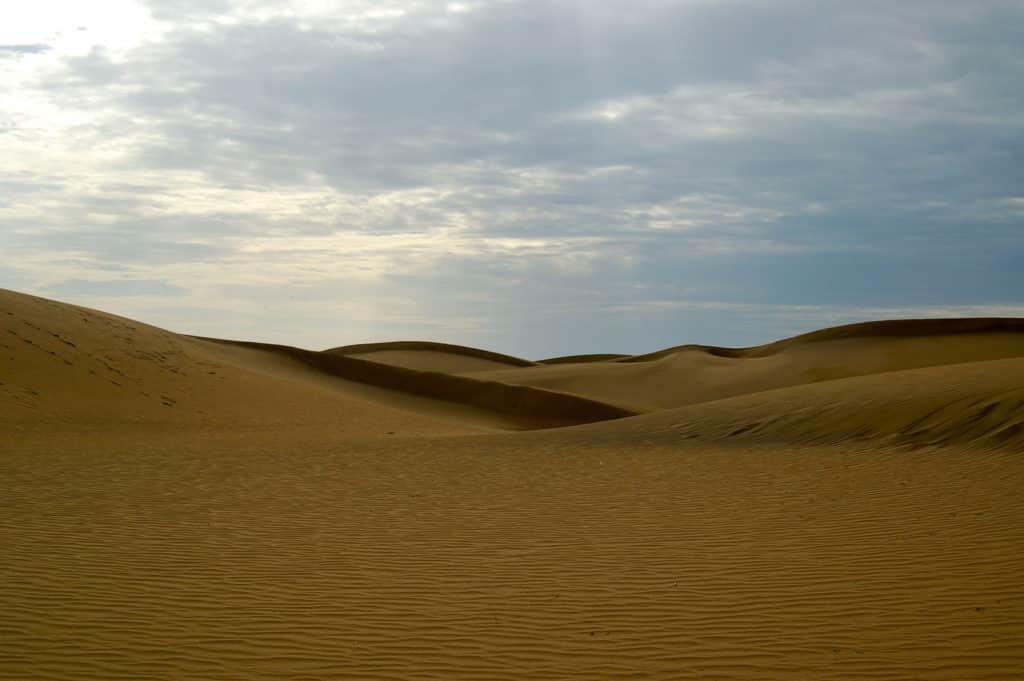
113	287
535	161
271	102
28	48
179	10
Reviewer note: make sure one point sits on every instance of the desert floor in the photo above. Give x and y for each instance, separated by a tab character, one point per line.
840	505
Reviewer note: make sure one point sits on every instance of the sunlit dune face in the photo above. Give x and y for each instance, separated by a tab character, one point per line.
511	339
203	508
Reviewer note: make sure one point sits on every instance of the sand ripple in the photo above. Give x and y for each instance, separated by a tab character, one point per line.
491	558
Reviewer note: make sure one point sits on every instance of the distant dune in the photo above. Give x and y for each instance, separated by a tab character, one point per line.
691	374
428	356
892	328
523	405
844	504
579	359
978	404
65	364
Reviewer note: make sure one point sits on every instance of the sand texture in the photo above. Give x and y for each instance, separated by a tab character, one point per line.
429	356
842	505
693	374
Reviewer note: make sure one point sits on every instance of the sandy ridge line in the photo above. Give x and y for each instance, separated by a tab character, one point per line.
893	328
534	407
578	359
975	404
463	350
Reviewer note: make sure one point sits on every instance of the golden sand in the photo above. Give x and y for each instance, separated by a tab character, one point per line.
837	507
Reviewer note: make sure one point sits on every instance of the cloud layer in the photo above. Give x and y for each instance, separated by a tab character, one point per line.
538	177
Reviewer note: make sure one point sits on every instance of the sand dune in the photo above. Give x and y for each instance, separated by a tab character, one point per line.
65	365
692	374
428	356
891	328
528	407
978	404
580	359
842	505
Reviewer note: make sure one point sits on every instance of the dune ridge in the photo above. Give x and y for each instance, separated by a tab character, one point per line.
692	374
367	348
179	508
430	356
975	404
125	371
889	328
65	363
65	366
532	406
578	359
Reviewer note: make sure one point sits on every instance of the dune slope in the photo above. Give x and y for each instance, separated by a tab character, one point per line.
532	407
430	356
63	365
581	359
889	328
975	404
179	508
693	374
66	366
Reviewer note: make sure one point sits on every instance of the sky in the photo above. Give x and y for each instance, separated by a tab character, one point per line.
536	177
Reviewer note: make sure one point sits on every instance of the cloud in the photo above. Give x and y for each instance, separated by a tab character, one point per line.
112	288
841	155
30	48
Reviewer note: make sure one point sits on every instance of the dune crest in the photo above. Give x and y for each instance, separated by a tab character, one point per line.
691	374
889	328
975	404
580	359
532	407
63	364
430	356
67	366
845	506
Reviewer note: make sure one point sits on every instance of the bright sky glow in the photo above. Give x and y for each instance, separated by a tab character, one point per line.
538	177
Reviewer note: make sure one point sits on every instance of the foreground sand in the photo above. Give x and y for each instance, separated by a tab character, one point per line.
315	527
239	558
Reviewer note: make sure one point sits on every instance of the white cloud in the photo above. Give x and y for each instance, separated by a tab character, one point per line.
802	156
69	27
